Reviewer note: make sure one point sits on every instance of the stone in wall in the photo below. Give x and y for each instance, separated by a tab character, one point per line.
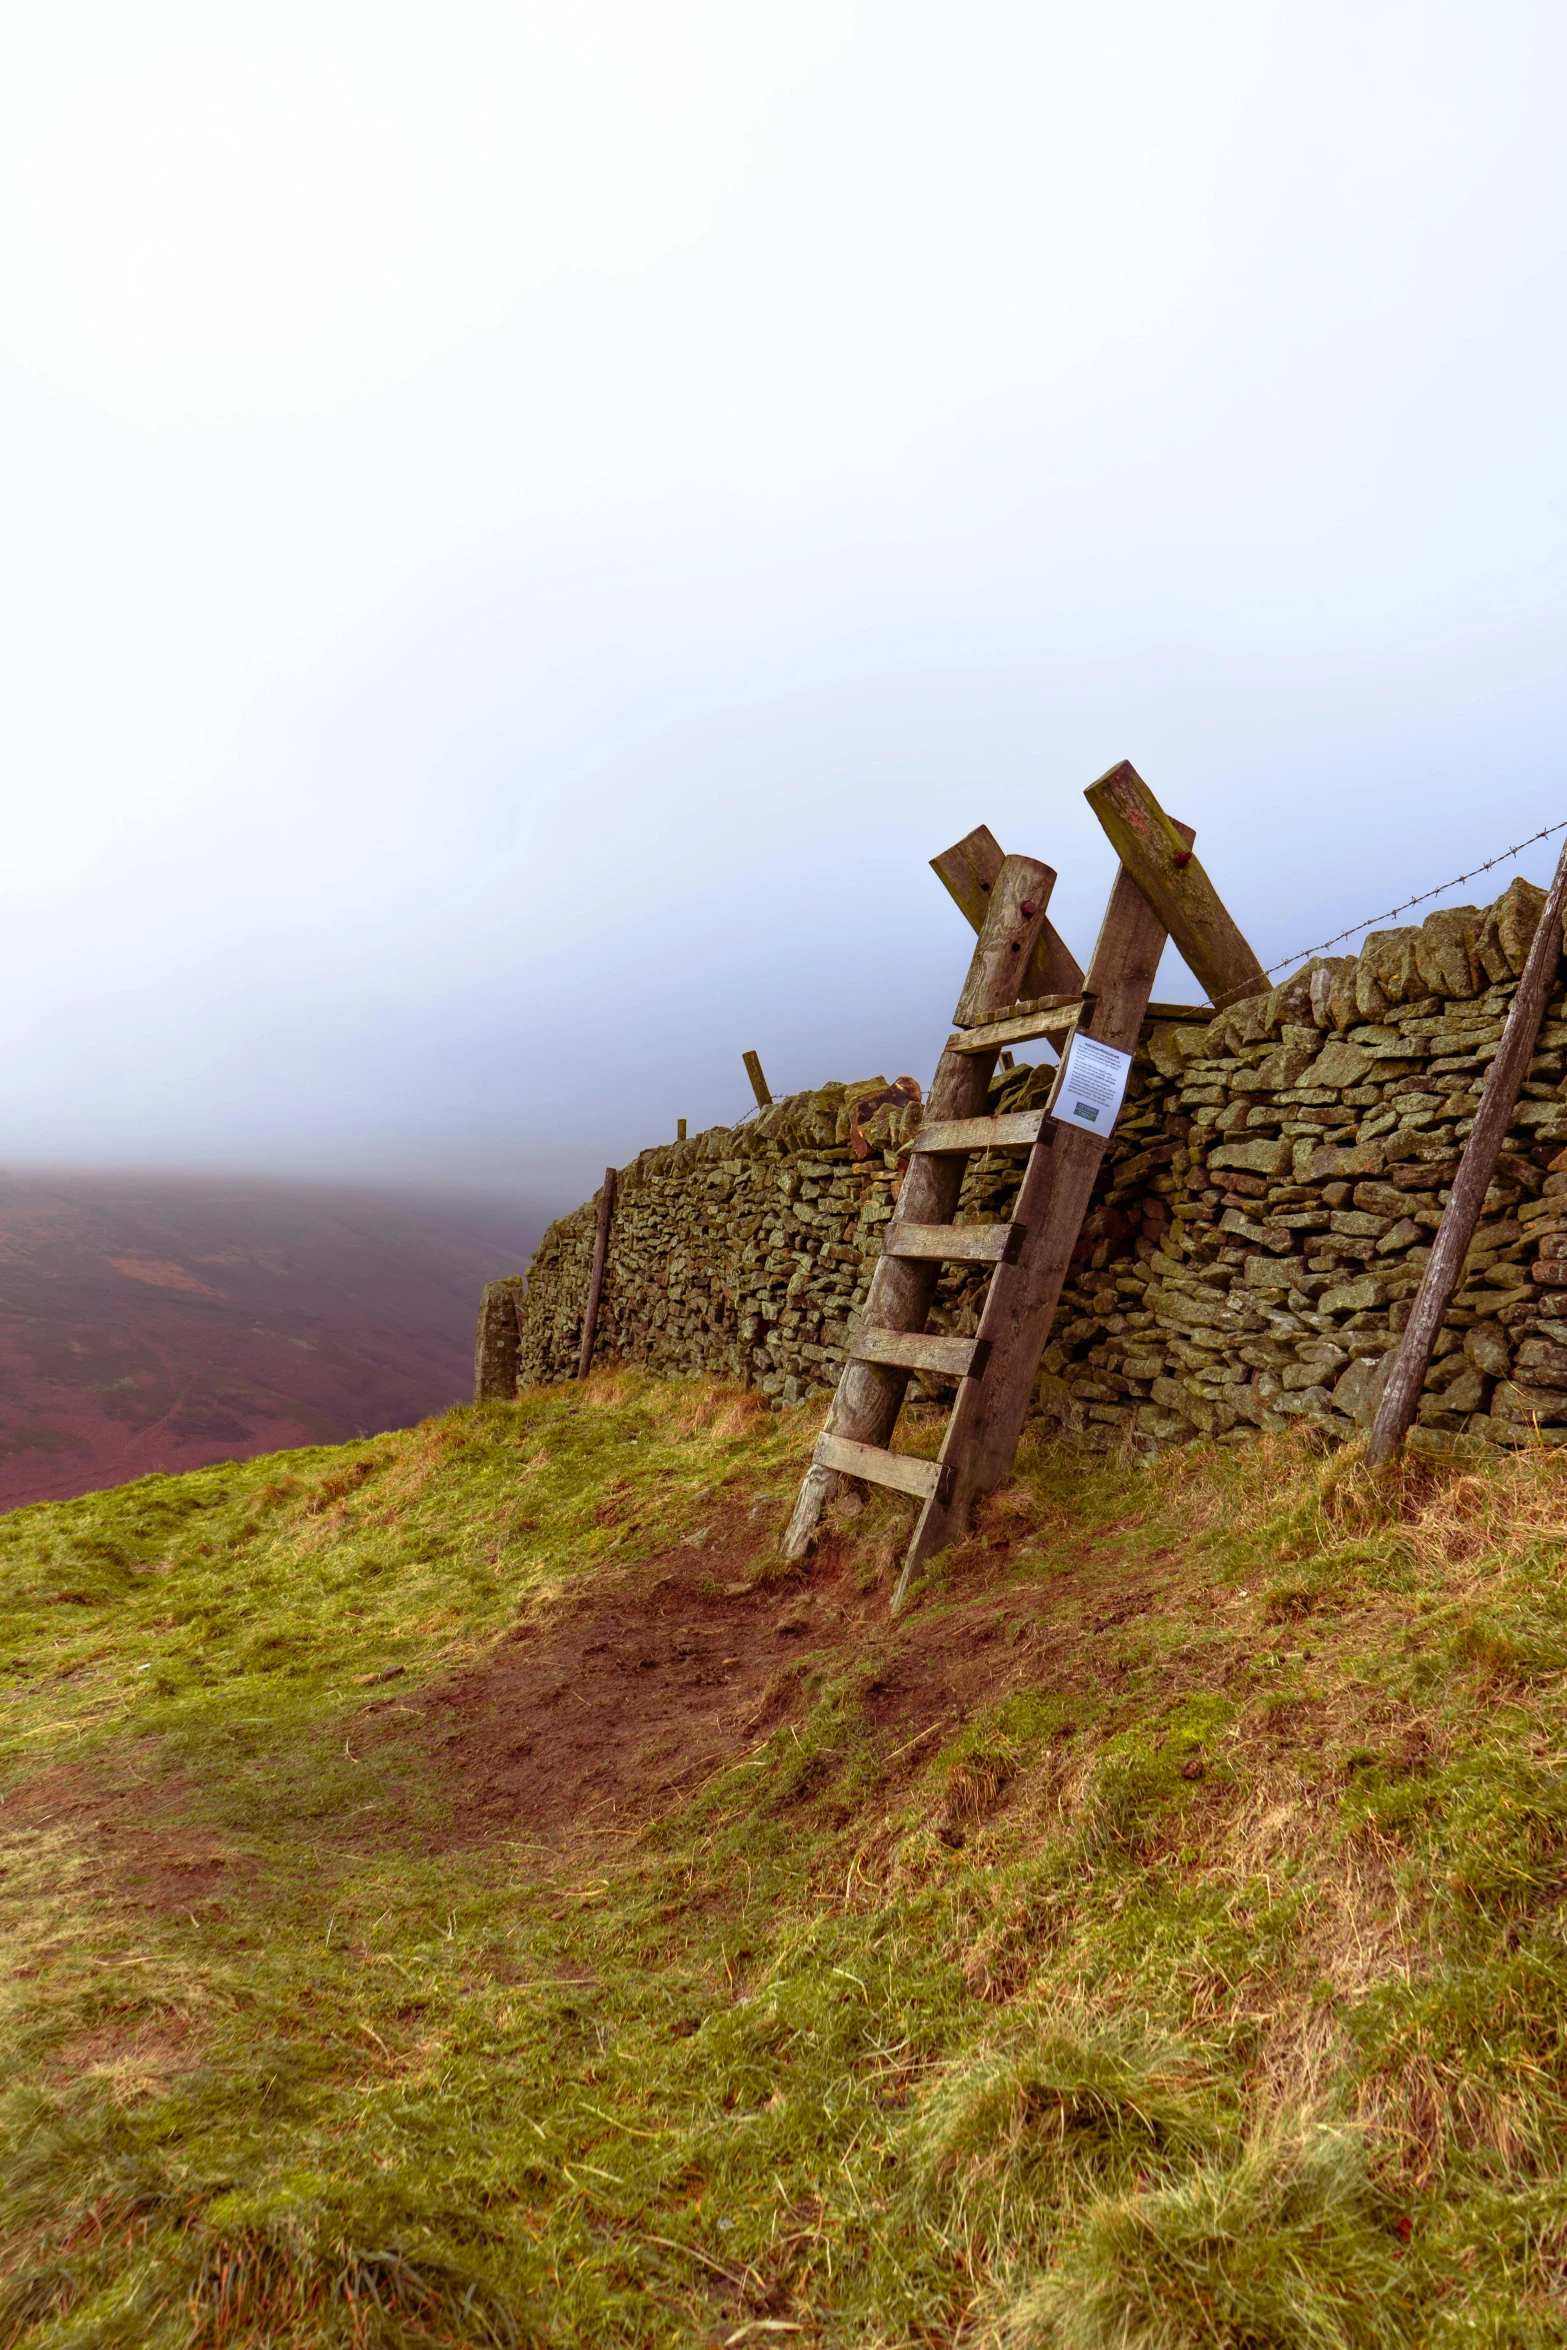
1259	1226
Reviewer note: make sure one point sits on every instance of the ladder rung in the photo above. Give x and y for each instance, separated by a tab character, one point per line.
1028	1004
922	1350
1015	1128
975	1244
1018	1028
926	1480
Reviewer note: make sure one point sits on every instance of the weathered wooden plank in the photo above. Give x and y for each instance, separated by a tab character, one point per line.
968	872
753	1070
1198	1014
987	1416
974	1244
1040	1003
869	1396
841	1456
922	1350
1057	1021
590	1317
1151	849
946	1135
1055	970
1445	1266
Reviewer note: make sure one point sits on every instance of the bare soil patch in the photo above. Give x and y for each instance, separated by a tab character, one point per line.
624	1701
134	2060
130	1820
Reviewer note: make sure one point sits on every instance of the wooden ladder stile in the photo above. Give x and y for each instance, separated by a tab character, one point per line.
988	1412
871	1389
1158	883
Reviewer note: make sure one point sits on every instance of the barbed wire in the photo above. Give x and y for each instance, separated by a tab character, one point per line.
1290	961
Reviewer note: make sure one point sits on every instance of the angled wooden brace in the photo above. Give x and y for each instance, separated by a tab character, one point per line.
1159	859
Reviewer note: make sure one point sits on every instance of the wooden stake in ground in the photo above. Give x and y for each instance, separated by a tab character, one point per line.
1445	1266
753	1070
1161	863
590	1318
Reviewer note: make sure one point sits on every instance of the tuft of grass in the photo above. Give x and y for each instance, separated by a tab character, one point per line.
1284	2245
1011	2135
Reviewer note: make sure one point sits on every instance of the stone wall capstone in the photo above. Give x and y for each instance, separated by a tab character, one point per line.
1265	1208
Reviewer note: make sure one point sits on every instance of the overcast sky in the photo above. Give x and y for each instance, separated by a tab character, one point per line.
525	526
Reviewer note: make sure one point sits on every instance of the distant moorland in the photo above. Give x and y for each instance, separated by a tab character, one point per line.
162	1322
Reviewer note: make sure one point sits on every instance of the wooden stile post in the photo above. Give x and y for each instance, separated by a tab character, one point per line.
987	1419
680	1130
753	1070
967	871
870	1395
1158	857
1445	1265
590	1317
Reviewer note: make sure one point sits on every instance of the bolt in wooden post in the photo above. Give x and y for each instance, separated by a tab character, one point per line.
590	1317
753	1070
1445	1265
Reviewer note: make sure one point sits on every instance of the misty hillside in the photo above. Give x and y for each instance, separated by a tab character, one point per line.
162	1322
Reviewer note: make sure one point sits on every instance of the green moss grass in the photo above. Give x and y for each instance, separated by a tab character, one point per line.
1202	1981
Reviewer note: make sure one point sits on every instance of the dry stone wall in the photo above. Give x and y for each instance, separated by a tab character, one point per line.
1262	1217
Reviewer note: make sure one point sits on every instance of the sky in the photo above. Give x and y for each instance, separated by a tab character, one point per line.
525	527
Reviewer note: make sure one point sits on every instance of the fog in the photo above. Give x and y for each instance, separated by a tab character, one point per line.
526	528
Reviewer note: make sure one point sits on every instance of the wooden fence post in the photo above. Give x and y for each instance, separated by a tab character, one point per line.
1445	1265
753	1070
596	1282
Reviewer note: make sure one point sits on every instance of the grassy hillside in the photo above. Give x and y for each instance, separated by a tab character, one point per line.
458	1890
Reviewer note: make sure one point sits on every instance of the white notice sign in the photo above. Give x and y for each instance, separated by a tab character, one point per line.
1089	1089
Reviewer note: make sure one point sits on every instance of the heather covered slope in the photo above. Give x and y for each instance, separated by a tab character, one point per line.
157	1322
458	1889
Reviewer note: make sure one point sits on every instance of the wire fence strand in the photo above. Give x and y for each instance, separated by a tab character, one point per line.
1290	962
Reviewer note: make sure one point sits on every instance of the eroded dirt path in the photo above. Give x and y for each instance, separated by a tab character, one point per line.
622	1702
617	1704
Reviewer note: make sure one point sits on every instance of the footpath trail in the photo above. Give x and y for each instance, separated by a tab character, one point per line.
634	1693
